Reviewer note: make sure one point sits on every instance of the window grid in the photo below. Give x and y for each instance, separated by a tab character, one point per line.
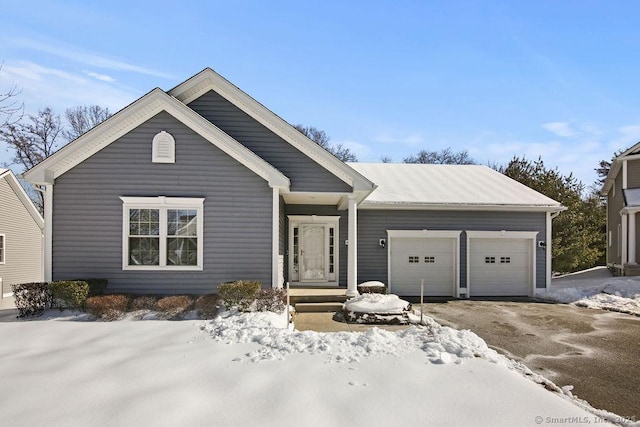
490	260
430	259
2	248
162	233
505	260
414	259
331	249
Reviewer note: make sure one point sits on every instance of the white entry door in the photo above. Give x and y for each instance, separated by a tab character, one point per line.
313	249
313	253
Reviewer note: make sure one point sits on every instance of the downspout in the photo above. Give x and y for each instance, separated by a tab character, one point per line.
47	192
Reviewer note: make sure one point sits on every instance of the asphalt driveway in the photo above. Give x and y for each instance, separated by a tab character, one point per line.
598	352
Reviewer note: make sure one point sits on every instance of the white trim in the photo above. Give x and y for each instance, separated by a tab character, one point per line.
624	239
163	204
524	235
427	234
48	232
208	80
352	249
458	207
133	116
3	253
330	221
624	174
275	240
632	238
163	138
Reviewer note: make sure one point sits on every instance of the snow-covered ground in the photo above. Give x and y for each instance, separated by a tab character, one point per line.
609	293
250	369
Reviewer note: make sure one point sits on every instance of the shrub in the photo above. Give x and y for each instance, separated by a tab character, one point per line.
107	307
271	300
207	305
31	299
240	294
144	303
69	294
96	286
175	306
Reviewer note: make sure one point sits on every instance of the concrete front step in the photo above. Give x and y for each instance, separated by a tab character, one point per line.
318	307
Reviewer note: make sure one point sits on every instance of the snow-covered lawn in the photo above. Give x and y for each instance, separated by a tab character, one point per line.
609	293
245	370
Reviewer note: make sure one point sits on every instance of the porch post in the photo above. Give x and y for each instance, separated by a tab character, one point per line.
624	239
48	231
632	238
275	240
352	249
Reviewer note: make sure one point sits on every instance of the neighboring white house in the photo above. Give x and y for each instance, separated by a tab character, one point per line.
21	235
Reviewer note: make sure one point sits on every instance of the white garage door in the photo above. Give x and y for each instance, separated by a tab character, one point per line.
415	259
500	267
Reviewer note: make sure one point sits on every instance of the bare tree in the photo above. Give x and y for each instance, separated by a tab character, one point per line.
385	159
83	118
442	157
33	141
11	110
321	138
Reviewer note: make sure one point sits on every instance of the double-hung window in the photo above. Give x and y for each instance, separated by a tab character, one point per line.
162	233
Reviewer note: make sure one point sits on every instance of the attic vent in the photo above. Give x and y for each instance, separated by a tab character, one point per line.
164	148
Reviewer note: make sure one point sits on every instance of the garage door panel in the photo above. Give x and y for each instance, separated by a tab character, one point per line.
500	267
416	259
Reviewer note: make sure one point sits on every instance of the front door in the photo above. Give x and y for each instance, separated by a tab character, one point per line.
313	249
313	263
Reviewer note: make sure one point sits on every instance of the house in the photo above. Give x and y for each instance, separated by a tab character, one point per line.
622	189
21	235
186	189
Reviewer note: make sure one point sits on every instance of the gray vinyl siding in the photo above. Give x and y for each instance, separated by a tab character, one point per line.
23	241
633	174
615	203
87	224
343	230
373	226
304	173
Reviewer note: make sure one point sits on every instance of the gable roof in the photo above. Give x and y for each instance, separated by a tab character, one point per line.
134	115
630	154
208	79
453	187
13	182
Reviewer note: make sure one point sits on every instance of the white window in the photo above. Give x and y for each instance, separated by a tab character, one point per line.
162	233
164	148
3	248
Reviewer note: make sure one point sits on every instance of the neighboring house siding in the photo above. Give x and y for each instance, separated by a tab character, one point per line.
23	241
615	203
304	173
323	210
87	225
373	225
633	173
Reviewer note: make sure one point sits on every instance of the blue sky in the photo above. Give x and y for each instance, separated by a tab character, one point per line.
556	79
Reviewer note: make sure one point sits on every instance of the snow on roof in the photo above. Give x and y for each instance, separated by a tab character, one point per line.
448	186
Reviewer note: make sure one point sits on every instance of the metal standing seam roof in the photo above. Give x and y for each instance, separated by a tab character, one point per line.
448	185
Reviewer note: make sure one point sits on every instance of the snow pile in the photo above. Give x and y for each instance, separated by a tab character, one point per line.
440	344
620	294
377	303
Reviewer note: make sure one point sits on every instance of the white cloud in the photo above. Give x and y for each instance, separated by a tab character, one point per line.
562	129
101	77
86	58
411	139
51	87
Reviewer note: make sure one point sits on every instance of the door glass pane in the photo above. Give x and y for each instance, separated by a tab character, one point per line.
313	252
